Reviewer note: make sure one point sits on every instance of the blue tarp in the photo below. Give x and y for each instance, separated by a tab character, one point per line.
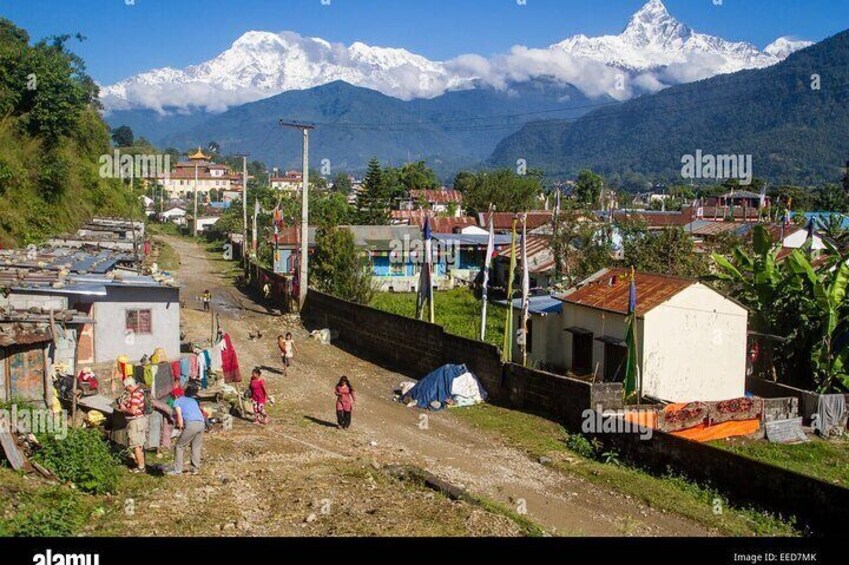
436	386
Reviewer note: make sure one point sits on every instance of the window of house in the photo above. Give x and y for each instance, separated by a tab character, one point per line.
139	321
615	359
397	268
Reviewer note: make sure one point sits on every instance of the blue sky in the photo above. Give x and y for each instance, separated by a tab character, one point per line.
126	39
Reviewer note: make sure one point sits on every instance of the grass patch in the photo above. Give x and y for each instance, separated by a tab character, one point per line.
824	460
575	455
457	311
529	527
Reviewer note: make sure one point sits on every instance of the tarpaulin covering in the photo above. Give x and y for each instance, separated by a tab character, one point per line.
436	386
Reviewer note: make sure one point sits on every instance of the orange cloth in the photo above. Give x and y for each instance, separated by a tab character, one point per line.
705	433
642	418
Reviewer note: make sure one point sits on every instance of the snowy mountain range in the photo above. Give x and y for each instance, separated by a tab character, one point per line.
654	51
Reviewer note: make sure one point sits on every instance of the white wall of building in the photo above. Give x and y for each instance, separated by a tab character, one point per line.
110	312
600	323
695	346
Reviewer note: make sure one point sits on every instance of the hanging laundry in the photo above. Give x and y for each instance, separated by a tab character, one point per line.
230	362
207	362
193	367
159	356
138	373
149	373
215	358
163	381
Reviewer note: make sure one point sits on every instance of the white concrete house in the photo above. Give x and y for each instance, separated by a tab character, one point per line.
175	214
691	340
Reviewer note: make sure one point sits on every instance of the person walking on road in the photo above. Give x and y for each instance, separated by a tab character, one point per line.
192	425
259	396
345	399
286	345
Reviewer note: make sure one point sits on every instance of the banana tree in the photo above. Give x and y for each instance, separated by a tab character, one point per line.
827	287
758	281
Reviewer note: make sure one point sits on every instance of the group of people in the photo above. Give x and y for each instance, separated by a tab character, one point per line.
189	420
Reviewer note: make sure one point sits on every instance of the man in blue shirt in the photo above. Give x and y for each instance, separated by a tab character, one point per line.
191	422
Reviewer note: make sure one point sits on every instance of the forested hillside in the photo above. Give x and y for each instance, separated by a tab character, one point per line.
51	137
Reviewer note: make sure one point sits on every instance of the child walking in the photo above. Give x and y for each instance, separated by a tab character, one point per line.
286	345
259	396
345	400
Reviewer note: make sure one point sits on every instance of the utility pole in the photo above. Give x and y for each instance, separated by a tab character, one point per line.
195	230
302	275
245	209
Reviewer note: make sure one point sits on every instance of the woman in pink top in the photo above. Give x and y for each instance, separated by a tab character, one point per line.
345	399
259	395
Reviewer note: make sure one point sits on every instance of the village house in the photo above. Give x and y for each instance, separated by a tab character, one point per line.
290	181
176	214
691	340
30	343
201	174
439	201
541	264
126	313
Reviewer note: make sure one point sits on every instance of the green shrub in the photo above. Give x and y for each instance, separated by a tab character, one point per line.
53	512
583	446
83	458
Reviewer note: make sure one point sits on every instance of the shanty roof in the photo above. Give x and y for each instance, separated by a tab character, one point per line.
709	228
478	240
540	254
25	327
57	283
97	261
609	290
438	196
504	220
653	219
541	305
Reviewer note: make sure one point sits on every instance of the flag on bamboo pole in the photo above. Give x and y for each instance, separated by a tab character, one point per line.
507	348
253	232
632	369
526	291
425	293
487	267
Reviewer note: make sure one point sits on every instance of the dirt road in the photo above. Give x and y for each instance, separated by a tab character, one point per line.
302	476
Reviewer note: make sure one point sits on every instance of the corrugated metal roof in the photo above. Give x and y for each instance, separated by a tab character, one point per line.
609	290
504	220
541	305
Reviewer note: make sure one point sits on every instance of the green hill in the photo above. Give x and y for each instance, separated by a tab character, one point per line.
795	132
51	137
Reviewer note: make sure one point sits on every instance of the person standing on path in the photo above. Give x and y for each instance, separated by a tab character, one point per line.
192	424
286	345
345	399
259	395
206	298
132	403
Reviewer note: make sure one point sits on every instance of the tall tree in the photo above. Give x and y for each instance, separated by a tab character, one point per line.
342	183
504	189
338	268
373	201
588	188
831	198
122	136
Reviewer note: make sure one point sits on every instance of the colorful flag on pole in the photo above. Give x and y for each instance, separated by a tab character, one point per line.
631	366
487	266
425	282
526	290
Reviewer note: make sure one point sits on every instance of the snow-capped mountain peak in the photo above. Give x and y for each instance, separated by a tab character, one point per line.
654	48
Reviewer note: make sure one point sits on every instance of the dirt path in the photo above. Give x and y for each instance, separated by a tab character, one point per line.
302	452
